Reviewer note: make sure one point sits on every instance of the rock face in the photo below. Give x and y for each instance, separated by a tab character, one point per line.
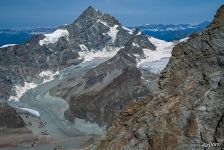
108	87
188	109
101	92
9	117
92	31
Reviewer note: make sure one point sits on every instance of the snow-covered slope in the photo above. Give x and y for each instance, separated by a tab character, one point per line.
156	60
53	37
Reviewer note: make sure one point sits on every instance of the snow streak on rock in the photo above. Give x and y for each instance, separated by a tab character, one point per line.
113	33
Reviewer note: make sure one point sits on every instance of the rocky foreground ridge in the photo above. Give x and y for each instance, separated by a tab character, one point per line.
188	110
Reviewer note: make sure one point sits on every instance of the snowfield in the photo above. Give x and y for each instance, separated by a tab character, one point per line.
53	37
107	52
156	60
21	90
48	75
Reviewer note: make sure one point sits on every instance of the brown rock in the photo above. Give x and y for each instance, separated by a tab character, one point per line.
188	108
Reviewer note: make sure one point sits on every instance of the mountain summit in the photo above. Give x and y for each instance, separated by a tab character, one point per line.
76	80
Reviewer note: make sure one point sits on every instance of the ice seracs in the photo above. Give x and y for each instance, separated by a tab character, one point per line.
156	60
53	37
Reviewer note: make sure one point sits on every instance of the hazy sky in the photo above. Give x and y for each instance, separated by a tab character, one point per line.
52	13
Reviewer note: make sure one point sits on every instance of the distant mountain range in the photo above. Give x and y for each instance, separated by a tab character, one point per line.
167	32
19	36
171	32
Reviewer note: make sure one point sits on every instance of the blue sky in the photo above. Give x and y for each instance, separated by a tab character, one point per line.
52	13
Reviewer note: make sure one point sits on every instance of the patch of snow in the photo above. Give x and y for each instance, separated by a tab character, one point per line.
20	90
135	44
53	37
7	45
127	29
137	55
139	33
104	23
156	60
107	52
184	39
34	112
83	47
48	75
113	33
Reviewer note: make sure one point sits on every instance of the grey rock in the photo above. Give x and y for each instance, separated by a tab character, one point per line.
188	108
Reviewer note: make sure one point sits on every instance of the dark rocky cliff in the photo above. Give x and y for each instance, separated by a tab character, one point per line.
9	118
188	109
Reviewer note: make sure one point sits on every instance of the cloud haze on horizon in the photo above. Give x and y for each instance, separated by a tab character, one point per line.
52	13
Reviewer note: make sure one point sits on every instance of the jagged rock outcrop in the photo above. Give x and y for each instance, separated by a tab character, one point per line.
188	109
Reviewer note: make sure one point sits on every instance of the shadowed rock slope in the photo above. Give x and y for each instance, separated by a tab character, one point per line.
9	118
188	110
106	88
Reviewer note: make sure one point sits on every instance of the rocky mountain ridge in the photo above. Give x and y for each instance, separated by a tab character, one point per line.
187	111
60	49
